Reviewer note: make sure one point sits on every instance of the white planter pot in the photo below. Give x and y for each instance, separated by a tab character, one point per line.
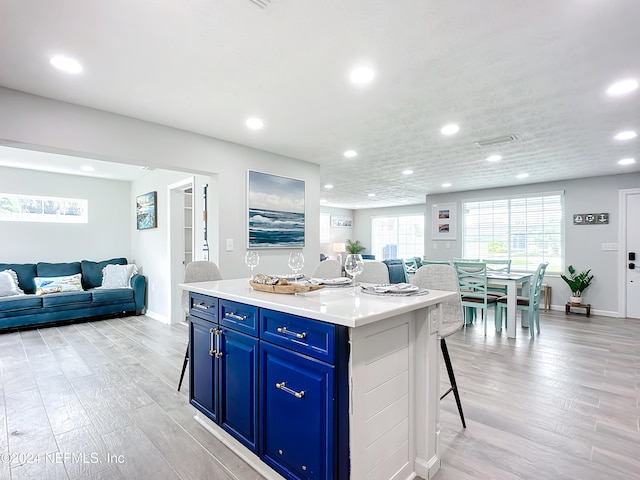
576	299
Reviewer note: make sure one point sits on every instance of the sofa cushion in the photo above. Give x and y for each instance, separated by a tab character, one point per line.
26	273
22	302
69	283
66	298
44	269
112	295
9	284
118	276
92	271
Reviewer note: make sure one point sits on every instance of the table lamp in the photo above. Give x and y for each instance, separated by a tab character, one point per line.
338	248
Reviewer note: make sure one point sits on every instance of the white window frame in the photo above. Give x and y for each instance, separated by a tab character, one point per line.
531	259
379	252
54	214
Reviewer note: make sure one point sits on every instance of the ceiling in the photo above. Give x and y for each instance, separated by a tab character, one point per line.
537	70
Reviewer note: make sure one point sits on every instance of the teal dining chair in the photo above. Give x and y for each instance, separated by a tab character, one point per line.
530	304
502	266
472	278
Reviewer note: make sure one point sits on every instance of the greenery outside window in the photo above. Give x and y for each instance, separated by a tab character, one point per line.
33	208
528	230
397	237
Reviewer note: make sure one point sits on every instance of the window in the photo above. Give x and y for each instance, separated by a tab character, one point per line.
528	230
32	208
397	237
325	230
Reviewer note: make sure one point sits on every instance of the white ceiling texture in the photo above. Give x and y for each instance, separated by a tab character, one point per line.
534	69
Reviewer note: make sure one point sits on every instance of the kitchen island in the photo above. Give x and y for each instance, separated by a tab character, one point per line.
330	384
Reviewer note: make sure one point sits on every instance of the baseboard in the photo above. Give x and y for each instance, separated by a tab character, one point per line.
158	317
601	313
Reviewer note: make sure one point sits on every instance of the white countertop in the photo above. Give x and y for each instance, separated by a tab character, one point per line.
333	305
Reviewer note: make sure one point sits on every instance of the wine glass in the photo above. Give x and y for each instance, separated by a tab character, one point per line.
296	262
354	265
252	259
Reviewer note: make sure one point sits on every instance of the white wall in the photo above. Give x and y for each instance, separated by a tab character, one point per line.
337	234
28	121
583	243
106	235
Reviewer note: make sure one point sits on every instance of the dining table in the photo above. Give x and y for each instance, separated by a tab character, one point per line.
512	281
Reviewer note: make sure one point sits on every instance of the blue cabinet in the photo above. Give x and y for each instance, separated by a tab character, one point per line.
276	382
223	371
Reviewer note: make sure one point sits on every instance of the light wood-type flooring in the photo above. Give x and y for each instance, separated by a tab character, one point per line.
98	400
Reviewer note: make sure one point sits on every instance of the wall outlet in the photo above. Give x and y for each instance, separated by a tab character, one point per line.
435	246
229	244
610	247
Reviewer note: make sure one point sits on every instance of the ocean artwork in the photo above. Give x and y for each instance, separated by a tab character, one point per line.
276	211
146	214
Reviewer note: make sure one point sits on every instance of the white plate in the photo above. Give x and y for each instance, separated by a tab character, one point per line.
394	288
331	281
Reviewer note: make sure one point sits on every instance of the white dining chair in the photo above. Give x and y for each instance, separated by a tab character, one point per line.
374	272
444	277
196	271
328	269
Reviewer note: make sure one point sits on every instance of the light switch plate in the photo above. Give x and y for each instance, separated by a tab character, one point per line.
610	246
229	244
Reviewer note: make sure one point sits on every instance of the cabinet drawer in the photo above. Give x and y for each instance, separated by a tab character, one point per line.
298	414
240	317
203	306
310	337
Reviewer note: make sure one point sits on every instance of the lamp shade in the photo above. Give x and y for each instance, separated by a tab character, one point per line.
339	247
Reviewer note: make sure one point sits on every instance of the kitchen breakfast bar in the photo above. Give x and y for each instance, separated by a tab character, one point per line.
329	384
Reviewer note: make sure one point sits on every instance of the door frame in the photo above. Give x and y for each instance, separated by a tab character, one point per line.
622	250
176	245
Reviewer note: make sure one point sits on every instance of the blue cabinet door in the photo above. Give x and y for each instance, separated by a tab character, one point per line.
203	374
297	414
238	392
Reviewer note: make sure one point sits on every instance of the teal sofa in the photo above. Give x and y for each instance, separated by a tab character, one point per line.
34	310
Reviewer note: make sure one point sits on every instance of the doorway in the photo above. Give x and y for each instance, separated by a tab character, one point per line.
629	257
181	240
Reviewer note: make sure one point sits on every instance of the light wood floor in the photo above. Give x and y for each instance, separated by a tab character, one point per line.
98	400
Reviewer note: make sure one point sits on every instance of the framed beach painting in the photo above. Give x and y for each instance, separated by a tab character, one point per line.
443	221
275	211
146	211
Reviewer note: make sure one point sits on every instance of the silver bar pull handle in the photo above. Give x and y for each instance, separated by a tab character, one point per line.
242	318
283	386
218	352
212	350
201	306
293	334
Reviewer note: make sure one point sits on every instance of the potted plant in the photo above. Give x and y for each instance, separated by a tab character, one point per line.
578	283
354	247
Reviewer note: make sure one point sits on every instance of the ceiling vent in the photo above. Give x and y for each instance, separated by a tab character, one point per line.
488	142
262	3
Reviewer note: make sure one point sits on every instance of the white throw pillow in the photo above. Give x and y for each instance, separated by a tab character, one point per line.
68	283
9	284
118	276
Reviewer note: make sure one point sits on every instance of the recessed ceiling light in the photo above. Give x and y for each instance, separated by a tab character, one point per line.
87	168
622	87
494	158
328	186
66	64
254	123
522	175
372	195
350	153
626	135
627	161
407	172
446	185
450	129
361	75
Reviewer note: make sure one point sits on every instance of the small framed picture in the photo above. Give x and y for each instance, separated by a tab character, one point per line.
444	221
146	211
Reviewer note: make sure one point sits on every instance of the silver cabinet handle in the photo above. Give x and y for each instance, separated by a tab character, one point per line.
219	343
215	350
201	306
212	350
283	386
293	334
242	318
